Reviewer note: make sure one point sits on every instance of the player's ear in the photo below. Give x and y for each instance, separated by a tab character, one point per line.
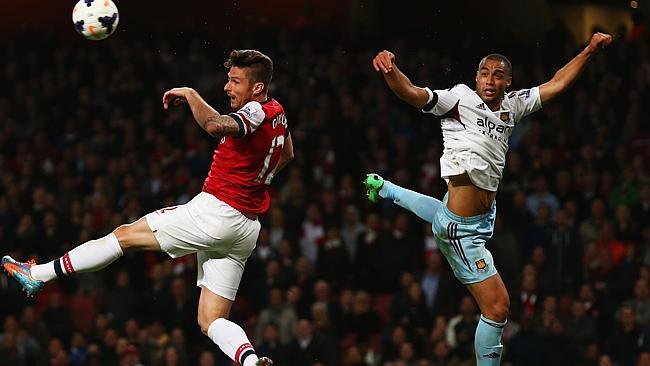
508	82
258	87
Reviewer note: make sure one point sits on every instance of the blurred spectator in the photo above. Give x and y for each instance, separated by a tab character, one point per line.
56	317
282	316
392	345
180	307
276	227
590	227
628	338
541	195
641	303
505	249
580	327
121	300
206	358
436	284
309	346
364	321
332	260
544	320
269	344
564	251
525	302
350	231
461	328
411	310
313	233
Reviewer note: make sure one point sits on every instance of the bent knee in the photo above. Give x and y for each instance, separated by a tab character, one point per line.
203	324
124	236
499	311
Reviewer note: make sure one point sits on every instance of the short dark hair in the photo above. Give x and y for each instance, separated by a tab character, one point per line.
498	57
260	65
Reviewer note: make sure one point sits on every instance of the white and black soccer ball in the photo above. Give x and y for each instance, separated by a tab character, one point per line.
95	19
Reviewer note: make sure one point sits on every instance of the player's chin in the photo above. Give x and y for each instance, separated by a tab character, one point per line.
488	97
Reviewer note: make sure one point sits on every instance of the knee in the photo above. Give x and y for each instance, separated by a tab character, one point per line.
499	311
124	236
204	324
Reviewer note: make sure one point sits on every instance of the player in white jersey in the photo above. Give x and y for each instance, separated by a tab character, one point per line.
476	126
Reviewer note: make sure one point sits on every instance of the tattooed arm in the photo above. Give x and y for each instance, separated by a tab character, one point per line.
210	120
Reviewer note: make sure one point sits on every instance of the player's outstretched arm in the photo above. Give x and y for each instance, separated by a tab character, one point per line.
399	83
214	123
564	77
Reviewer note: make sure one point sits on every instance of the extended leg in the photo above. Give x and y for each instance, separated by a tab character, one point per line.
422	205
91	256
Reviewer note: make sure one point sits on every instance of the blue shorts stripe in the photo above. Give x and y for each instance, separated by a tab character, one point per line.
451	240
460	247
470	260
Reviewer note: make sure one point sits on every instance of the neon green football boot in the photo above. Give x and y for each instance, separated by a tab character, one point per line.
373	183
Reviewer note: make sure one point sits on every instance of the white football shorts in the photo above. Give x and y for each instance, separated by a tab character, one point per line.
222	237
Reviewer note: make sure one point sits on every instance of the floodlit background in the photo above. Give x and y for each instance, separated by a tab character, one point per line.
85	146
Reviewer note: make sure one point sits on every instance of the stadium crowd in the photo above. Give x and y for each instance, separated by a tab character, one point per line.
85	146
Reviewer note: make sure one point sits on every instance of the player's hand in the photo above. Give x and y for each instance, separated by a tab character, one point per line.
175	97
599	41
384	62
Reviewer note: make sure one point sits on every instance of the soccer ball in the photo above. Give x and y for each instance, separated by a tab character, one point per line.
95	19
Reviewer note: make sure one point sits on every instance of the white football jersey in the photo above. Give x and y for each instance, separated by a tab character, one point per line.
476	138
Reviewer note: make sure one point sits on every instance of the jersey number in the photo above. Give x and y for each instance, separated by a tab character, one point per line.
266	174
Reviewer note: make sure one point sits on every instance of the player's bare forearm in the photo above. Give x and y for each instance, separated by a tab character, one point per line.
209	119
287	154
219	125
565	76
399	83
402	86
282	163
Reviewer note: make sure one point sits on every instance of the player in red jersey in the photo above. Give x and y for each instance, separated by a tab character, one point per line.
219	224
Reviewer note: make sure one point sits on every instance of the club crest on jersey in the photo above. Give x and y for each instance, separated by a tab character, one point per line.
481	266
505	116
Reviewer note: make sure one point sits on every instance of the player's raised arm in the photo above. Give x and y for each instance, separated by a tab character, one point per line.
208	118
564	77
399	83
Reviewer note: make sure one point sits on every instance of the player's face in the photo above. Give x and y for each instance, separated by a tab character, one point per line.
240	88
492	79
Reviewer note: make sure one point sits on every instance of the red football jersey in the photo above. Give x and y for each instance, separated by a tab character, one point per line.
243	166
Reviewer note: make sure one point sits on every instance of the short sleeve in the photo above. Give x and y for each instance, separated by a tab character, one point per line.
440	101
249	117
524	102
